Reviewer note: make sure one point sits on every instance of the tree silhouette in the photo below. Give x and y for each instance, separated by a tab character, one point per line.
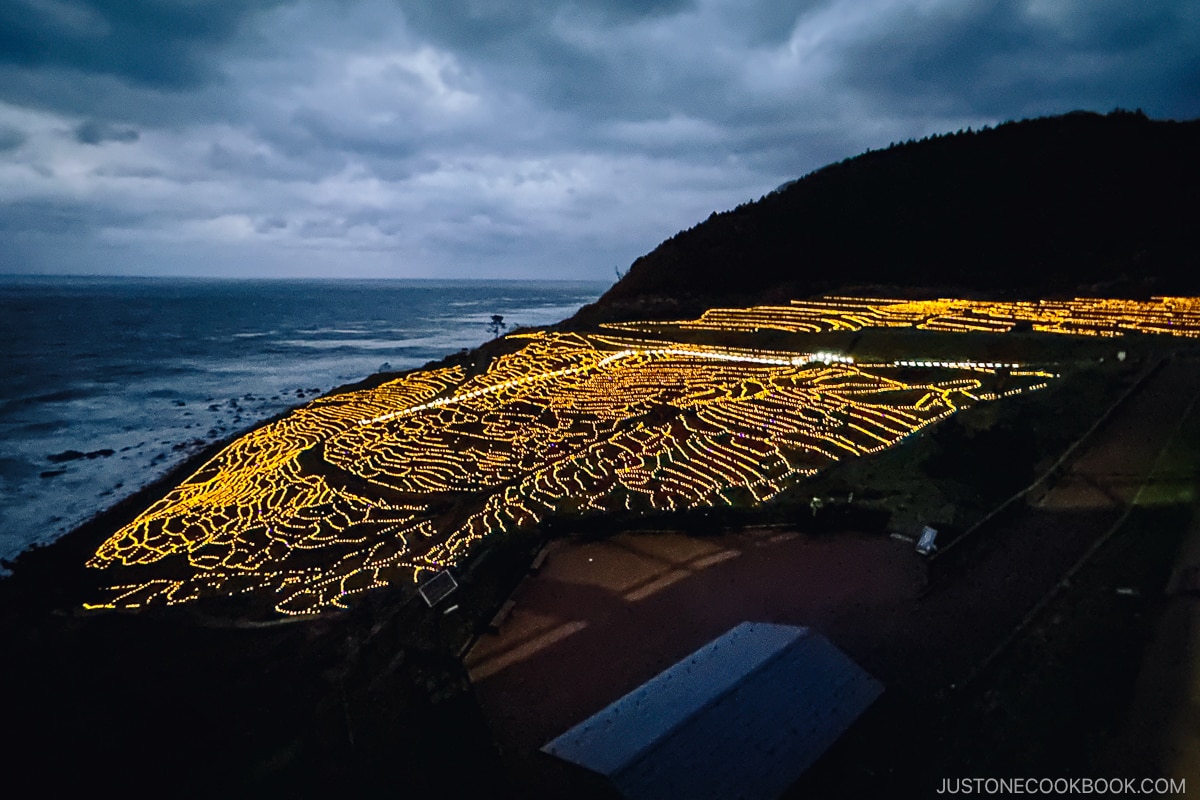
1080	203
497	324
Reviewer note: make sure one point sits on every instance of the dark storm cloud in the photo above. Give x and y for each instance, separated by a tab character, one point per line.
508	137
585	57
96	132
482	25
160	43
11	138
42	217
395	141
1005	59
271	224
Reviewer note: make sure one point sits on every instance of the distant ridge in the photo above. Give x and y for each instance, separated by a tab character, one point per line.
1076	204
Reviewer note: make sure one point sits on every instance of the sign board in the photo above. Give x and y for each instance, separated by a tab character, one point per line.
925	545
438	588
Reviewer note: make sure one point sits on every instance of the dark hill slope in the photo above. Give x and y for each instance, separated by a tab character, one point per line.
1078	203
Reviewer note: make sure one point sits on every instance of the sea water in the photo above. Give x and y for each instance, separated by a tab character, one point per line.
107	383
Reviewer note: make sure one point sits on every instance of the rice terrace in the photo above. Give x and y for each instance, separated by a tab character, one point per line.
390	484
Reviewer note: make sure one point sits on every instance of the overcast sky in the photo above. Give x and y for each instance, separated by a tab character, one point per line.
502	138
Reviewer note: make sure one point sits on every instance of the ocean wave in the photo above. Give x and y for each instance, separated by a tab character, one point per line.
348	344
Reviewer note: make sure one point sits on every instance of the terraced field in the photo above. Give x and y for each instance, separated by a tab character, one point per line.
363	489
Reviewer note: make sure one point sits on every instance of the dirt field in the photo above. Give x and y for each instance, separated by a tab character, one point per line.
602	617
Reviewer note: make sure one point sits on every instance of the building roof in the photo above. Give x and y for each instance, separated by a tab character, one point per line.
743	716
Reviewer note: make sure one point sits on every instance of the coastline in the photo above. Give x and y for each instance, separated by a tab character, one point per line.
142	382
59	566
54	576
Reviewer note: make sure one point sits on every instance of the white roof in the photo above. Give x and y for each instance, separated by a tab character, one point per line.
743	716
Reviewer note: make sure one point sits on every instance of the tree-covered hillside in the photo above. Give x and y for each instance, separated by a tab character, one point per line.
1078	204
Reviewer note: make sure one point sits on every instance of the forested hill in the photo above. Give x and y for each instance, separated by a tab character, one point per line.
1078	204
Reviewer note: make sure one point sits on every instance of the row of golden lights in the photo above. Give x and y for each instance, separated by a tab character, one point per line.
356	491
1176	316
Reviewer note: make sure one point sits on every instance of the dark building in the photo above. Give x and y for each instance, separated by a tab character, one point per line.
742	717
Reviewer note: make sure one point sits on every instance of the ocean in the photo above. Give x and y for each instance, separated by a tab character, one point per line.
108	383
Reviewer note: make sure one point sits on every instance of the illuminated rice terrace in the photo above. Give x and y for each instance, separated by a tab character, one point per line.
1177	316
368	488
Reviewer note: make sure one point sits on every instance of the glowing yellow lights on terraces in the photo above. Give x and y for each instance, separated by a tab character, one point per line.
1177	316
359	490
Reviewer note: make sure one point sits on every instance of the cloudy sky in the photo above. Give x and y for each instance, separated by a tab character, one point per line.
502	138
